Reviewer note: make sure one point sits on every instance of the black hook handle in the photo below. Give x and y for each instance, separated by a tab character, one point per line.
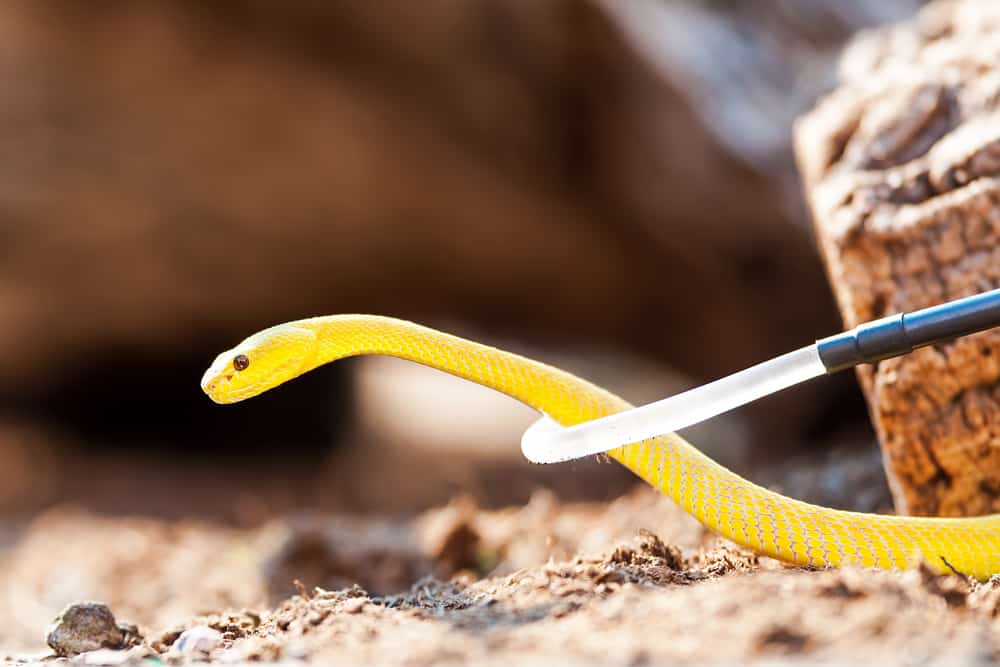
898	334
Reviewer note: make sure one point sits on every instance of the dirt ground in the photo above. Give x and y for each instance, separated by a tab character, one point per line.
630	582
555	131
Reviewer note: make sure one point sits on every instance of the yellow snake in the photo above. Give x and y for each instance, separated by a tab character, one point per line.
747	514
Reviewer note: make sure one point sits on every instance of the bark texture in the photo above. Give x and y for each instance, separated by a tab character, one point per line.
902	170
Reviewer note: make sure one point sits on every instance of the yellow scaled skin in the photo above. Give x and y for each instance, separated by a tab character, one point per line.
741	511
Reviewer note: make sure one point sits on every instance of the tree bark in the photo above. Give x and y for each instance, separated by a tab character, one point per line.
902	171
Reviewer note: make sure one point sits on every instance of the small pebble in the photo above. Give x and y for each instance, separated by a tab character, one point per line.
296	649
354	605
82	627
199	639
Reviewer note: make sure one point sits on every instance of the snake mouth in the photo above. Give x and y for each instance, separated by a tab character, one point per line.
225	387
217	386
213	391
229	397
220	390
210	384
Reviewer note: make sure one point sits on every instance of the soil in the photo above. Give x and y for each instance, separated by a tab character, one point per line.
216	553
630	582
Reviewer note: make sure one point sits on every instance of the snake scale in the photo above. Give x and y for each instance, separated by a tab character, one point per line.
749	515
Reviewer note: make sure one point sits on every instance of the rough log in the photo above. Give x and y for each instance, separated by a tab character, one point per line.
902	169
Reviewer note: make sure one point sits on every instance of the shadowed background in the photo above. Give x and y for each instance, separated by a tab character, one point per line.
604	186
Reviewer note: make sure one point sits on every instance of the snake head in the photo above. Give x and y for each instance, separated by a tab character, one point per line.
264	360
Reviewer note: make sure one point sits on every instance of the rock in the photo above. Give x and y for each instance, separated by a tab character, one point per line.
199	639
354	605
82	627
902	170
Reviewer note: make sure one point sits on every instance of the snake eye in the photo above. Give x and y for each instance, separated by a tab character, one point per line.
240	362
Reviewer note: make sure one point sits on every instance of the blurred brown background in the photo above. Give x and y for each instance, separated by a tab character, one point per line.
606	186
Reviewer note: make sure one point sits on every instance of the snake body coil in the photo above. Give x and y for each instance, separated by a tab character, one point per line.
747	514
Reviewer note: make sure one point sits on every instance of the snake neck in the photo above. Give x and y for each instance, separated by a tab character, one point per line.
564	397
